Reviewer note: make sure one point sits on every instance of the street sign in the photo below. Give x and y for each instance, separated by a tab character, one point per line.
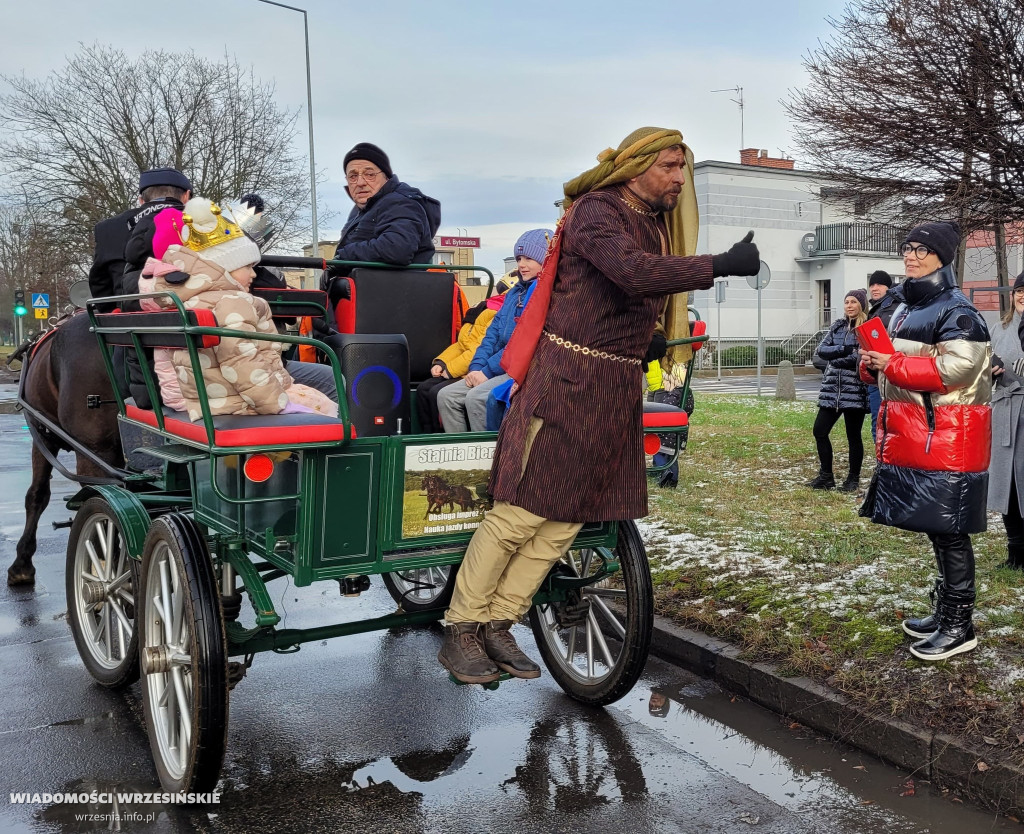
761	280
42	312
461	242
40	299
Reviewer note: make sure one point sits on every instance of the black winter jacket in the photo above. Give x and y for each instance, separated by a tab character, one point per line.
841	387
396	227
886	305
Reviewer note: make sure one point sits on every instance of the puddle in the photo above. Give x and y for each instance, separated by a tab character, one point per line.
796	768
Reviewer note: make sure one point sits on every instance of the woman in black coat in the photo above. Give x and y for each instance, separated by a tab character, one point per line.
843	394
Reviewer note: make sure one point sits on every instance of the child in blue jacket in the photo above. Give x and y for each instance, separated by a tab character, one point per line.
463	405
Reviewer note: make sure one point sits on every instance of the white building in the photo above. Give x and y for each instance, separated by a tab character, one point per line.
816	244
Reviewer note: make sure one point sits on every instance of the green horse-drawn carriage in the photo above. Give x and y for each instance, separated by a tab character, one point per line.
169	568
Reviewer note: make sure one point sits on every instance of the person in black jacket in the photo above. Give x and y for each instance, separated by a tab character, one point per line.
122	245
391	222
842	394
883	299
158	188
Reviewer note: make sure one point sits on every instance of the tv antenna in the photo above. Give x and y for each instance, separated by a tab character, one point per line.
739	102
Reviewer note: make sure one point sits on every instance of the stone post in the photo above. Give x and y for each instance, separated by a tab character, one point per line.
785	384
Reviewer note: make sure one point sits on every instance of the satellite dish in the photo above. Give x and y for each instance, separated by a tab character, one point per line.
80	293
807	243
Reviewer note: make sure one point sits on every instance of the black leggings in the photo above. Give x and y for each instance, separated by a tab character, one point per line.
823	423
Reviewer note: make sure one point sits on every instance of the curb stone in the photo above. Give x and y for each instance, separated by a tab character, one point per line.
8	406
935	757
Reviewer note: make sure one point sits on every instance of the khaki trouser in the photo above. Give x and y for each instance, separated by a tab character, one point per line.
508	557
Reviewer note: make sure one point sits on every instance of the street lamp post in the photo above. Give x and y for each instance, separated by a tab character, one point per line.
309	112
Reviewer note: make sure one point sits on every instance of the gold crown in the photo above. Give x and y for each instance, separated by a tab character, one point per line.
197	239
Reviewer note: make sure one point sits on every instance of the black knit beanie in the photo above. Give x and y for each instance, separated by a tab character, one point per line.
371	153
941	237
1019	283
880	276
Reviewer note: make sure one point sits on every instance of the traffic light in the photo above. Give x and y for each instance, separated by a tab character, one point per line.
19	303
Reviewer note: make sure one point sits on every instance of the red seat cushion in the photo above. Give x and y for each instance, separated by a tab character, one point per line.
245	429
664	416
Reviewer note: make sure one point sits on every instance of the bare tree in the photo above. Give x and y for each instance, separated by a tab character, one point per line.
918	105
75	141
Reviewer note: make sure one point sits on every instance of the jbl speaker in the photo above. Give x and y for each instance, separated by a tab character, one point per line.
376	371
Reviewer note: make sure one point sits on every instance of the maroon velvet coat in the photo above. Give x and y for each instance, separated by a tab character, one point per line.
587	462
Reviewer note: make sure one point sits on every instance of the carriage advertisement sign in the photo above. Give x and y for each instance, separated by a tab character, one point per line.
445	488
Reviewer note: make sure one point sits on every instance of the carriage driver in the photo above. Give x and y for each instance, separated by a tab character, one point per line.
625	243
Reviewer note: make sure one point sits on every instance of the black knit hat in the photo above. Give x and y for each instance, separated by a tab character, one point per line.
880	276
371	153
1019	283
941	237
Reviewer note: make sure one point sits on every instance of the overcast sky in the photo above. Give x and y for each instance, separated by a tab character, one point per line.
487	106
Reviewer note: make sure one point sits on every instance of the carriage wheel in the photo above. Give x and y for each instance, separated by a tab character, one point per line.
183	656
595	644
422	589
100	581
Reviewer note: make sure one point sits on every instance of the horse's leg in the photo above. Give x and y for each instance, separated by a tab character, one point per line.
22	571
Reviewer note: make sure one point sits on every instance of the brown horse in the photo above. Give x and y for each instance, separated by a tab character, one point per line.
439	493
64	380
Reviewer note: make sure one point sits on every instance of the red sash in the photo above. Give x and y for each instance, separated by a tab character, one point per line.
526	336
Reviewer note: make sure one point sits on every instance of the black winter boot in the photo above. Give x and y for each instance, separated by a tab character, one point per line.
955	634
502	648
922	627
1014	557
823	480
851	484
463	654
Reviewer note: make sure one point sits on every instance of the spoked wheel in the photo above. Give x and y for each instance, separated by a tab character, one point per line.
422	589
595	643
183	655
100	582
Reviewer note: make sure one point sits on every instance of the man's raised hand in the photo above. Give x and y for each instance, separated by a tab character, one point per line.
742	259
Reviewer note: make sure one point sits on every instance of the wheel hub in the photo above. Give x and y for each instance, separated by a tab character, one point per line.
94	592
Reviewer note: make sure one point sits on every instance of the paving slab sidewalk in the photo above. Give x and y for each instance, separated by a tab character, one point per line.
945	761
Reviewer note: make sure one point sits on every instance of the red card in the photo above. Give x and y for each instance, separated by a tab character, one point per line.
872	336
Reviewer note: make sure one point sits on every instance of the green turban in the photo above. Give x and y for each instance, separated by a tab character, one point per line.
635	154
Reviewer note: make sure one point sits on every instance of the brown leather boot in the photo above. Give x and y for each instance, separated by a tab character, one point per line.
463	654
501	647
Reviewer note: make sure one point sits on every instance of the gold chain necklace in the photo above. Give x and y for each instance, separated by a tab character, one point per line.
635	204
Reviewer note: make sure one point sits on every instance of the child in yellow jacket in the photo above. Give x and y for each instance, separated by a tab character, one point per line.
453	362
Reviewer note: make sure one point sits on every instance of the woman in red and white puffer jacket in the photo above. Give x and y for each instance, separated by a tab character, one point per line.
934	431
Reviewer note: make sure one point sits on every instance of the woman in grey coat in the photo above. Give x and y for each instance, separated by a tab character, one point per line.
1006	470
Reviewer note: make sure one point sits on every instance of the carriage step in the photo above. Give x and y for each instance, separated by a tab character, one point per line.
57	525
492	685
174	452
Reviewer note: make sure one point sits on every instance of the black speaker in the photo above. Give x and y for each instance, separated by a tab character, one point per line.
376	371
422	305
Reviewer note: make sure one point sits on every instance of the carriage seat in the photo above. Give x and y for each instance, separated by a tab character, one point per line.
245	429
664	416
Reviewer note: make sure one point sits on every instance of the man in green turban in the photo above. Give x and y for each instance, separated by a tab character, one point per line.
571	446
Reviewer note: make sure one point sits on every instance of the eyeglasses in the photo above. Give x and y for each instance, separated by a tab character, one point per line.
1018	292
919	251
369	176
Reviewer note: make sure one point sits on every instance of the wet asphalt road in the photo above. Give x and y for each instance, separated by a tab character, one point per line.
367	734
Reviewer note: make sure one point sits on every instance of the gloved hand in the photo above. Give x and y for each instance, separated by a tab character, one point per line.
322	330
338	290
742	259
847	349
657	348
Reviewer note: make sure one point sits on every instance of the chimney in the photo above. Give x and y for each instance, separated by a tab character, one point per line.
758	157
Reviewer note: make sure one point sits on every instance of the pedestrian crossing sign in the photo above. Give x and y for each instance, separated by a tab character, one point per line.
40	299
42	312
